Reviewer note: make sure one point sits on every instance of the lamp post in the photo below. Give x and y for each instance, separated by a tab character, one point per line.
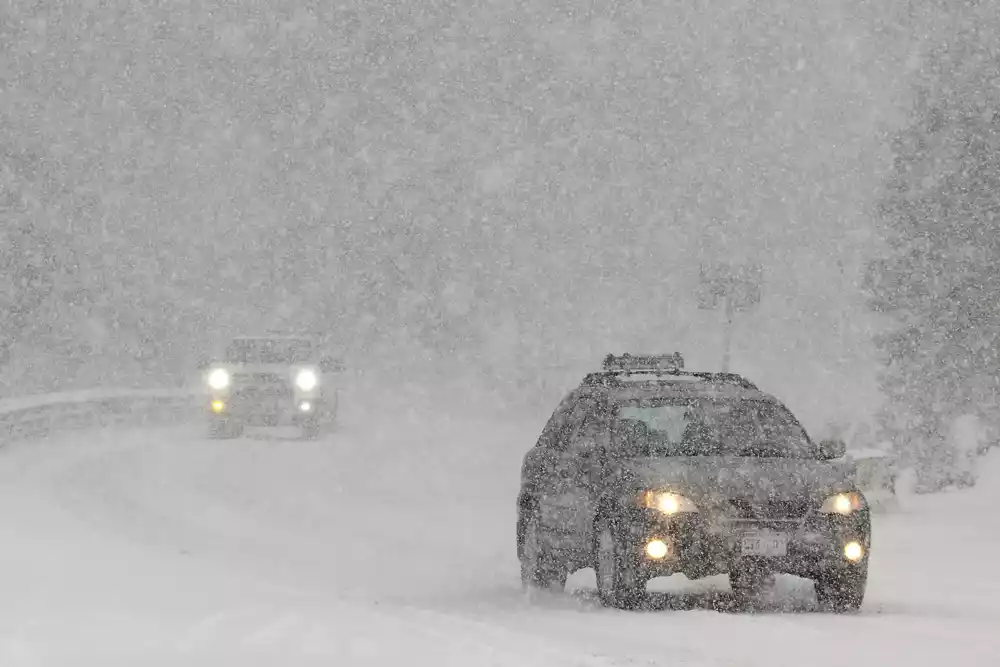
735	287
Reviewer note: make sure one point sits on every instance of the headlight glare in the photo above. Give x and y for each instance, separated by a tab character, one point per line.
843	504
853	551
657	549
306	380
667	503
219	379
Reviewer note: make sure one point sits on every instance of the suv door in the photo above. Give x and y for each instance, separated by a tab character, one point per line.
582	461
566	502
545	473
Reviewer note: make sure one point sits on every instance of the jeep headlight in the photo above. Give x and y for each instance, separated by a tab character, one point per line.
667	502
843	503
306	380
219	379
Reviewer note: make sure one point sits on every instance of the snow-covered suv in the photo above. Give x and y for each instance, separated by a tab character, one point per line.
647	470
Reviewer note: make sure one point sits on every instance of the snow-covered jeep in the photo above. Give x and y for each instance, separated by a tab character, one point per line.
270	381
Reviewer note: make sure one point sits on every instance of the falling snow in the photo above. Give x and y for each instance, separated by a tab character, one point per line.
471	204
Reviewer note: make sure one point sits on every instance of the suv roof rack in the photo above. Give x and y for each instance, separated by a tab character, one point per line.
663	368
643	363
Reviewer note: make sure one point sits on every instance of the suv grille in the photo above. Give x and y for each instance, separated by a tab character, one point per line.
259	378
256	386
773	509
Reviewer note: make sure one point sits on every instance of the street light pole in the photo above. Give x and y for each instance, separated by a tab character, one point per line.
739	287
728	334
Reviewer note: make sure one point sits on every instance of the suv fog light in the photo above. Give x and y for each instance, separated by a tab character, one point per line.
853	551
218	406
657	549
305	406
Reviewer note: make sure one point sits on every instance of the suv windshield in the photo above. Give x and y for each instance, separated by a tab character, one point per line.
265	351
711	427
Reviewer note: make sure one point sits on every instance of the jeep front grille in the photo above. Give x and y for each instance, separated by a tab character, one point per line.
259	379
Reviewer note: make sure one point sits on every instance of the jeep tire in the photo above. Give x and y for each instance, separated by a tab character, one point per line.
311	428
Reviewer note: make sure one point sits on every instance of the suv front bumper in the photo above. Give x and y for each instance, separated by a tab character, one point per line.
270	409
811	547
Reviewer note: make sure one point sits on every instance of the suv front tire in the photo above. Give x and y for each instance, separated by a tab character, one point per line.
540	569
619	581
842	592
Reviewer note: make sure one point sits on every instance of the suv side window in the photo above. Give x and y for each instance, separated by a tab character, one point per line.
556	426
558	438
578	420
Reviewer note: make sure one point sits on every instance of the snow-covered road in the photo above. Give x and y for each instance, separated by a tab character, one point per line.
390	542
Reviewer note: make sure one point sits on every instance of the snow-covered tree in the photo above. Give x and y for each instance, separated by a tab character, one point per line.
940	279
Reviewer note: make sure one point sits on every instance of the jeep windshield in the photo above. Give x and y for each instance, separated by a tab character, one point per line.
710	427
267	351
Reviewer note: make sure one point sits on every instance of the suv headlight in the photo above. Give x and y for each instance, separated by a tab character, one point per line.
843	503
219	379
667	502
306	380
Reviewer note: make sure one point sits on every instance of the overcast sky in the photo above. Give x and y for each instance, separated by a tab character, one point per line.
553	179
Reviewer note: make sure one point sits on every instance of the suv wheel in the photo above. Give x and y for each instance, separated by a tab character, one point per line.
749	582
842	592
539	568
619	583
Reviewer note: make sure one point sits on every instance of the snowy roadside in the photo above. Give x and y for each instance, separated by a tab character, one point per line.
78	593
391	541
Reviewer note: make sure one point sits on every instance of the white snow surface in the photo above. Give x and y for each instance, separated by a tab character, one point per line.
390	542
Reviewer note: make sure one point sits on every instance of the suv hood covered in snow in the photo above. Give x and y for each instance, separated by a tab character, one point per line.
753	478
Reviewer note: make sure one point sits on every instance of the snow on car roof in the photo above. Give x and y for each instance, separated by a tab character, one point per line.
653	377
679	386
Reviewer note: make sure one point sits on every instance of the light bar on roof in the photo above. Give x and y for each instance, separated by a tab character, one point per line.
644	362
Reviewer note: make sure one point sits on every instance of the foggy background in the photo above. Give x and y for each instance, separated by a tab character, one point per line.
501	191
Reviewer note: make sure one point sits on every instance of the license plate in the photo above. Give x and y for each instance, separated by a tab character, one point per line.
764	544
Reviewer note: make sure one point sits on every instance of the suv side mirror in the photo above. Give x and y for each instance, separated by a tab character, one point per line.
330	365
832	449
